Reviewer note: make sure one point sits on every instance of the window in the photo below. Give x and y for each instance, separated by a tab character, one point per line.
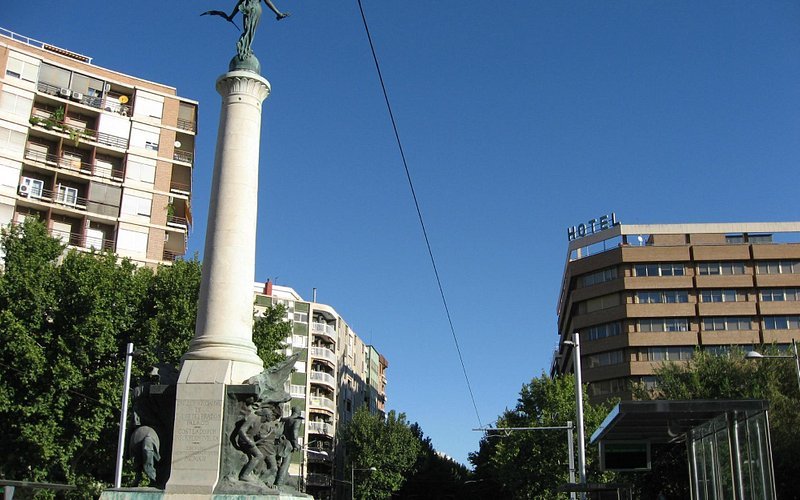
780	294
13	103
22	66
720	268
34	187
67	195
663	269
669	353
604	387
301	317
136	205
12	140
663	325
781	322
718	296
597	277
717	323
662	297
131	241
140	169
53	75
598	303
602	331
605	359
759	238
778	267
734	238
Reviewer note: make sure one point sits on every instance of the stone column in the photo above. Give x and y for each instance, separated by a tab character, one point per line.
224	328
222	351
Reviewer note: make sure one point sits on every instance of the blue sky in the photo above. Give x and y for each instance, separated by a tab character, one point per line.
519	118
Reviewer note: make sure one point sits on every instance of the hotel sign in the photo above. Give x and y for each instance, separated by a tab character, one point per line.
592	226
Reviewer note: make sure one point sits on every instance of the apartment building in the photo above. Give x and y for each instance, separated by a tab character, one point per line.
336	374
103	158
642	295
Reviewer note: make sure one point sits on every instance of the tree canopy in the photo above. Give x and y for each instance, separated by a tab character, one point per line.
533	464
731	376
65	319
386	444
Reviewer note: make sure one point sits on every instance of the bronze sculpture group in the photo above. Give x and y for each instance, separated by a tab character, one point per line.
268	440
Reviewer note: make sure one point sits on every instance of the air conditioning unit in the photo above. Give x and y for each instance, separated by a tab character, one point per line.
77	96
25	186
65	93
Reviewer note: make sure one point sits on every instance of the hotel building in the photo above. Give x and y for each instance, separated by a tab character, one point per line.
642	295
336	374
103	158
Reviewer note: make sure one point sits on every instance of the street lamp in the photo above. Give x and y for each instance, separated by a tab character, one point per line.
758	355
576	368
352	480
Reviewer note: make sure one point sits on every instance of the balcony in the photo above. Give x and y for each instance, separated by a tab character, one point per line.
63	196
188	125
182	155
73	164
320	428
324	329
170	256
83	241
105	104
324	403
44	118
324	378
177	222
324	353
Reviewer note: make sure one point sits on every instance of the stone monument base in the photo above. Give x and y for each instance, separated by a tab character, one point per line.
155	494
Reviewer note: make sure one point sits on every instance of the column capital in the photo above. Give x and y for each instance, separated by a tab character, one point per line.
243	82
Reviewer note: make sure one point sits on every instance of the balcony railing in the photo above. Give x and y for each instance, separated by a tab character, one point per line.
324	378
82	241
189	125
175	221
320	428
324	329
78	133
170	256
72	164
182	155
180	187
321	402
324	353
61	197
111	105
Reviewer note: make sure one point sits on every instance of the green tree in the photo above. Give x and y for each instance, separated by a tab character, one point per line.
533	464
65	319
435	476
731	376
387	444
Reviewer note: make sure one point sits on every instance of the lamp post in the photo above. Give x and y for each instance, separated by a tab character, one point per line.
576	368
123	417
758	355
352	480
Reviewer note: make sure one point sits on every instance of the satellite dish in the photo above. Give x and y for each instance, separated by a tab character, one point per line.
123	99
177	144
641	240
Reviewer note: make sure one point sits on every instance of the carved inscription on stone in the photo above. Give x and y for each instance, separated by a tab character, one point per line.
197	434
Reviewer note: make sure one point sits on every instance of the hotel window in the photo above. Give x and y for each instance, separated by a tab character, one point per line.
720	268
662	297
663	325
606	359
781	322
779	267
780	295
719	296
597	277
598	303
717	323
602	331
670	353
604	387
662	269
